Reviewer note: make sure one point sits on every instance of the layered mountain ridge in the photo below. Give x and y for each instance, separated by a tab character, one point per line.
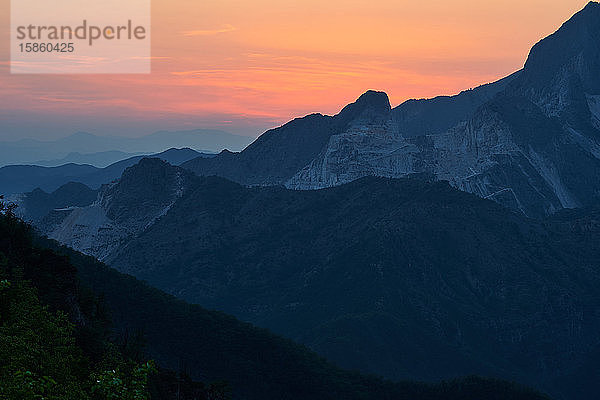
530	141
44	283
20	179
438	277
378	272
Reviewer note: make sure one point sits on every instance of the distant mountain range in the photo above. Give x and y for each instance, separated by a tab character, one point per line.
16	179
530	141
101	150
100	160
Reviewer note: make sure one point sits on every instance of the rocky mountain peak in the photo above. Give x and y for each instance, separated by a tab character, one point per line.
375	99
530	141
145	193
370	105
147	188
573	49
146	174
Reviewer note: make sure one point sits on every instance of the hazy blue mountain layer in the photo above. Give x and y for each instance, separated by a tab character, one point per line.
30	151
16	179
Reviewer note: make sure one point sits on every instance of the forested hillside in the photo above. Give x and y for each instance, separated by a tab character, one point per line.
57	341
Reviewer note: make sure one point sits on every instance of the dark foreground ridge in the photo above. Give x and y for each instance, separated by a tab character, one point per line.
208	345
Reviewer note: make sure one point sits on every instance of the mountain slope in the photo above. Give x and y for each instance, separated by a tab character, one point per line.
256	363
211	345
530	141
437	115
443	283
279	153
122	210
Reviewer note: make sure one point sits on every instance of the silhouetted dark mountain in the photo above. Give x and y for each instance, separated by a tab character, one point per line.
435	116
257	364
279	153
37	204
570	53
24	178
530	141
403	278
39	280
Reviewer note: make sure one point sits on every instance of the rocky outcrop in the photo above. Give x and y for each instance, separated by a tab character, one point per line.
530	141
124	209
533	146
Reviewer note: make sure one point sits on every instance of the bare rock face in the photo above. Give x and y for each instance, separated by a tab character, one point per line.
530	141
369	145
124	209
511	150
533	145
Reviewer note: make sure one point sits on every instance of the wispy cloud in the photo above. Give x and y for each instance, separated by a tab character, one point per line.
151	58
210	32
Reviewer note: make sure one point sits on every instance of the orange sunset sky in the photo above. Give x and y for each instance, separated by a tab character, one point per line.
245	66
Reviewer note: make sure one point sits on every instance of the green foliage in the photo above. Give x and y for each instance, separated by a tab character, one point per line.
40	358
128	382
53	337
56	341
31	387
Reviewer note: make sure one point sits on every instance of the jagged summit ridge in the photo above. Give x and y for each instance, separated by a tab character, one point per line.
375	100
520	146
530	141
